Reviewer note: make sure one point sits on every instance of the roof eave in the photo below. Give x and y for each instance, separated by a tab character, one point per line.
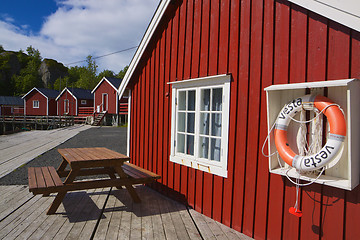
143	44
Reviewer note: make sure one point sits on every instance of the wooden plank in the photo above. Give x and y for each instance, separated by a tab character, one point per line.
188	222
31	223
11	223
116	213
239	165
40	181
89	227
76	219
124	230
262	187
253	117
233	68
154	212
16	198
167	222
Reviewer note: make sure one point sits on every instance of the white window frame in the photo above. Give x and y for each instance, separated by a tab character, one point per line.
83	102
36	103
213	167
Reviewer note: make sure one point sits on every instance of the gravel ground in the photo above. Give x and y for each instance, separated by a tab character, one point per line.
113	138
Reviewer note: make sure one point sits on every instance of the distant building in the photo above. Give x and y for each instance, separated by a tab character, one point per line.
106	99
40	102
11	106
71	101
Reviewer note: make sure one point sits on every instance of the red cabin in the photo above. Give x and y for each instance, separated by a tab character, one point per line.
71	101
198	109
106	99
11	106
40	102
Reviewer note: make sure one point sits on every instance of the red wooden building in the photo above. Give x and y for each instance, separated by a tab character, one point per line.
40	102
72	101
10	105
106	99
210	61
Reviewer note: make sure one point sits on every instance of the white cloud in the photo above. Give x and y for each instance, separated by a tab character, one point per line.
86	27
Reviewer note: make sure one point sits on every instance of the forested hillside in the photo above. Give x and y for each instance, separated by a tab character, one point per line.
21	71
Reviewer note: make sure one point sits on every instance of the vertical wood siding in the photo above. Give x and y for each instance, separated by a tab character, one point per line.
260	43
105	87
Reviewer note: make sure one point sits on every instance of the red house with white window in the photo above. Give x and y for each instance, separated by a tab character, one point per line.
199	112
40	102
72	101
106	99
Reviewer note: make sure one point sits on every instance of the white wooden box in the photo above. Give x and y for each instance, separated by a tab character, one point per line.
346	93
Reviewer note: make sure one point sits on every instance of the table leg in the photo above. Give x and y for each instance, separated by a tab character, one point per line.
129	187
61	194
112	176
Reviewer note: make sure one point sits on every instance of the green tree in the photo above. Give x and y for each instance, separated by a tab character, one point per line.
29	76
88	79
121	74
106	73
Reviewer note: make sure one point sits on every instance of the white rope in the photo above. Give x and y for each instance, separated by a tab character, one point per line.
303	184
266	139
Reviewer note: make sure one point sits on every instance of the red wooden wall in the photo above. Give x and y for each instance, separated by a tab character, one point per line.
260	42
41	111
105	87
72	104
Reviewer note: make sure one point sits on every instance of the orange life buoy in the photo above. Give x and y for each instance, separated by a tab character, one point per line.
334	142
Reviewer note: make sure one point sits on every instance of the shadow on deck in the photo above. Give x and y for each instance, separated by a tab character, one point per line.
104	214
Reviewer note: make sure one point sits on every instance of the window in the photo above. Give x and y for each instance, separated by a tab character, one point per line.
36	104
200	116
83	102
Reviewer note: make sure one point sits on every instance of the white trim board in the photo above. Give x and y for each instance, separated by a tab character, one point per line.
346	12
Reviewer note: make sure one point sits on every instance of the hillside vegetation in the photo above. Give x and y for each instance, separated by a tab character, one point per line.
20	72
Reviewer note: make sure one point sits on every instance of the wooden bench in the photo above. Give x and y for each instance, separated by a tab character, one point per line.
44	180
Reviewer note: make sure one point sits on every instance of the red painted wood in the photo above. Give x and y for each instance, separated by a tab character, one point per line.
167	111
281	63
338	51
241	126
262	187
253	116
35	96
213	70
159	119
105	87
267	42
355	53
233	68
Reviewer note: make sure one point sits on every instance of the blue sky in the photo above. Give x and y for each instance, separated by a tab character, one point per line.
70	30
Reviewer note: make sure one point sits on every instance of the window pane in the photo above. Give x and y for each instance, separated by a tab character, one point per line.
217	99
204	147
190	144
181	122
205	99
180	143
215	148
216	124
182	100
204	123
190	122
191	100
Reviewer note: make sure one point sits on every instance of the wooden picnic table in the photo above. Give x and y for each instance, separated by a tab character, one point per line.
87	162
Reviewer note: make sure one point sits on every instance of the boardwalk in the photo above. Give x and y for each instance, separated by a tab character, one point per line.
92	214
20	148
104	214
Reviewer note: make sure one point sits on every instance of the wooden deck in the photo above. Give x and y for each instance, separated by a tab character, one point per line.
104	214
20	148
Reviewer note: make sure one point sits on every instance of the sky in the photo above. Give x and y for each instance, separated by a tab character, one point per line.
70	30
